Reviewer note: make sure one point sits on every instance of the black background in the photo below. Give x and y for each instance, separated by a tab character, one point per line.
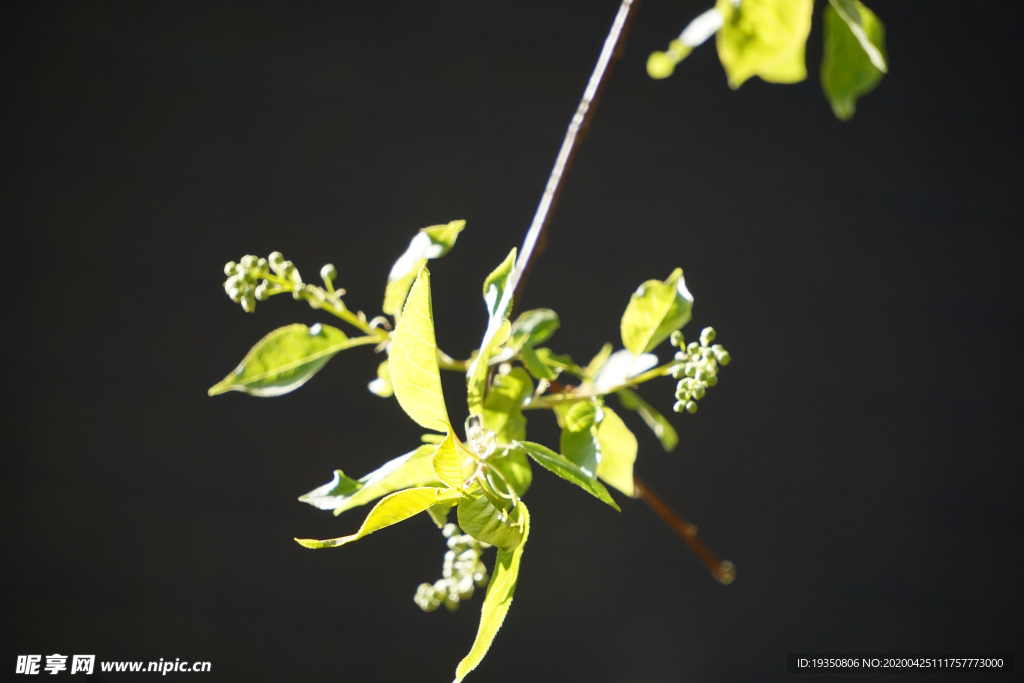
860	460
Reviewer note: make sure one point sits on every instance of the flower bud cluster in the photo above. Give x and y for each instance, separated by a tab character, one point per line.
462	573
697	368
257	279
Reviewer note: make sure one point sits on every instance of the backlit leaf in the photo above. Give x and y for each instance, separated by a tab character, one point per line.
447	461
553	462
655	311
661	427
503	412
284	360
390	510
439	513
481	520
413	360
340	494
494	288
535	365
854	45
516	469
498	599
765	38
618	452
476	376
429	243
534	327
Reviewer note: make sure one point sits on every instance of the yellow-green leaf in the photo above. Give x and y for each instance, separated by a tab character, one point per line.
284	360
503	408
447	461
382	385
498	599
598	361
618	452
429	243
558	464
535	365
476	376
340	494
479	518
853	61
765	38
655	311
534	327
390	510
413	360
494	288
661	427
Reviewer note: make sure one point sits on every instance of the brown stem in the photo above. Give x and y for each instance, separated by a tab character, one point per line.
723	571
535	240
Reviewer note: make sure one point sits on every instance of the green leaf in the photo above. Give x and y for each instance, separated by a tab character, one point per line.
479	518
579	442
498	599
476	376
656	310
382	385
598	361
340	494
447	461
494	288
503	408
553	462
765	38
535	365
284	360
561	361
516	469
533	327
618	452
390	510
413	360
429	243
854	60
439	513
661	427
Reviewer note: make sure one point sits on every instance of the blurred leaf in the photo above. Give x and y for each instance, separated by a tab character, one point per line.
848	69
562	361
618	452
412	469
655	311
620	367
661	427
553	462
390	510
534	327
481	520
494	288
535	365
429	243
598	361
579	415
502	411
439	513
447	461
413	360
516	469
765	38
498	599
284	360
476	377
382	385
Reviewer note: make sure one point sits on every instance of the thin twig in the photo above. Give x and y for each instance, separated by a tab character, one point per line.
535	242
723	571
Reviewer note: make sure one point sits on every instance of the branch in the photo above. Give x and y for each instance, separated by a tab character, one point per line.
535	240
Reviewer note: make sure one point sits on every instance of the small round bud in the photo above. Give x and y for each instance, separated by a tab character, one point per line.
707	335
249	303
712	380
660	65
724	358
328	273
677	372
679	407
699	392
249	262
261	291
691	407
449	530
230	268
692	347
682	394
261	264
677	339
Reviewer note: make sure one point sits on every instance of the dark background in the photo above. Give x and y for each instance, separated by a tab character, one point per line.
860	460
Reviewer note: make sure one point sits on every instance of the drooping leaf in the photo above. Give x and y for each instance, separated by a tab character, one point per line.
765	38
503	407
382	385
284	360
390	510
439	513
853	55
479	518
498	599
447	461
661	427
553	462
476	376
429	243
533	327
535	365
655	311
413	360
410	470
618	452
